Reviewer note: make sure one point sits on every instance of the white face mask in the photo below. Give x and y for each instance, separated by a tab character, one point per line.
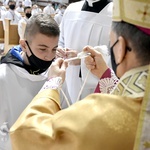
90	2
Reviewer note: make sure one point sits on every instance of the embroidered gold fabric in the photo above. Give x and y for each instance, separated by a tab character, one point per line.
142	141
139	15
133	83
98	122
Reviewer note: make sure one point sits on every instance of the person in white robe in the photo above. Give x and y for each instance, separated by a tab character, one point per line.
27	12
20	7
84	23
58	17
23	71
36	9
12	14
2	9
49	9
27	3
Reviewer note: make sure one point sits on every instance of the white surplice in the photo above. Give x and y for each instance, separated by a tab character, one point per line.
17	89
78	29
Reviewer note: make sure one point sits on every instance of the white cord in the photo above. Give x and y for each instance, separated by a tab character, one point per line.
78	98
66	99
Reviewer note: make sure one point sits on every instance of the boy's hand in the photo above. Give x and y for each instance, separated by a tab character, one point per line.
68	53
58	69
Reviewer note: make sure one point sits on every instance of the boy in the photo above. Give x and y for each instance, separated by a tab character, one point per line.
24	70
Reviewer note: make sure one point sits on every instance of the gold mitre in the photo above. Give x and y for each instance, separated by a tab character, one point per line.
136	12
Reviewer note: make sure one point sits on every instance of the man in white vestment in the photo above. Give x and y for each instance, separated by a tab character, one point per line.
84	23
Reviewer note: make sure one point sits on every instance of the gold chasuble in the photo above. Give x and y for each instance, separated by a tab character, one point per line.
142	141
98	122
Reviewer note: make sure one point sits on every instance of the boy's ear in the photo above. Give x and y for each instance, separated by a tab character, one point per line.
23	44
120	50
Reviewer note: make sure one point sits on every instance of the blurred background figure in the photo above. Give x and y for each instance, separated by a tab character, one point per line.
49	9
11	13
27	13
58	8
27	3
36	9
20	7
59	15
2	9
5	2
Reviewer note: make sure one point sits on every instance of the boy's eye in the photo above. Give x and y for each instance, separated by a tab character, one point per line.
54	50
42	49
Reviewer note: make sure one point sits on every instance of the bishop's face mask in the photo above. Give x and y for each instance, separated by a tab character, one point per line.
113	62
37	62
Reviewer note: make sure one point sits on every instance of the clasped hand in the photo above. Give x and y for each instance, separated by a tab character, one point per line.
66	54
58	69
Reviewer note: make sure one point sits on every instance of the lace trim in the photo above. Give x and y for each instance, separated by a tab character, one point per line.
53	83
4	132
106	85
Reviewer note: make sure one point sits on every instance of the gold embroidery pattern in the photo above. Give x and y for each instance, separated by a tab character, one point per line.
142	141
145	13
140	15
132	85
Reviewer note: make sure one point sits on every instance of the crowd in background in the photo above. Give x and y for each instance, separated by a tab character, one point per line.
21	10
64	113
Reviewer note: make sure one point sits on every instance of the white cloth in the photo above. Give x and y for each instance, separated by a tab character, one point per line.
20	28
14	16
28	3
58	17
90	2
17	2
17	89
20	9
49	10
6	2
36	11
78	29
2	11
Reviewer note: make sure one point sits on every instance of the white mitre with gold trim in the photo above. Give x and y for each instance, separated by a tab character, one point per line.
136	12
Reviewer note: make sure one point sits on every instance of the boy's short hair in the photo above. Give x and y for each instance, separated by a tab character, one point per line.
11	1
41	23
27	7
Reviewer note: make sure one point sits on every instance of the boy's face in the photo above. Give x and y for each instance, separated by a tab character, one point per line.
43	47
20	4
28	10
